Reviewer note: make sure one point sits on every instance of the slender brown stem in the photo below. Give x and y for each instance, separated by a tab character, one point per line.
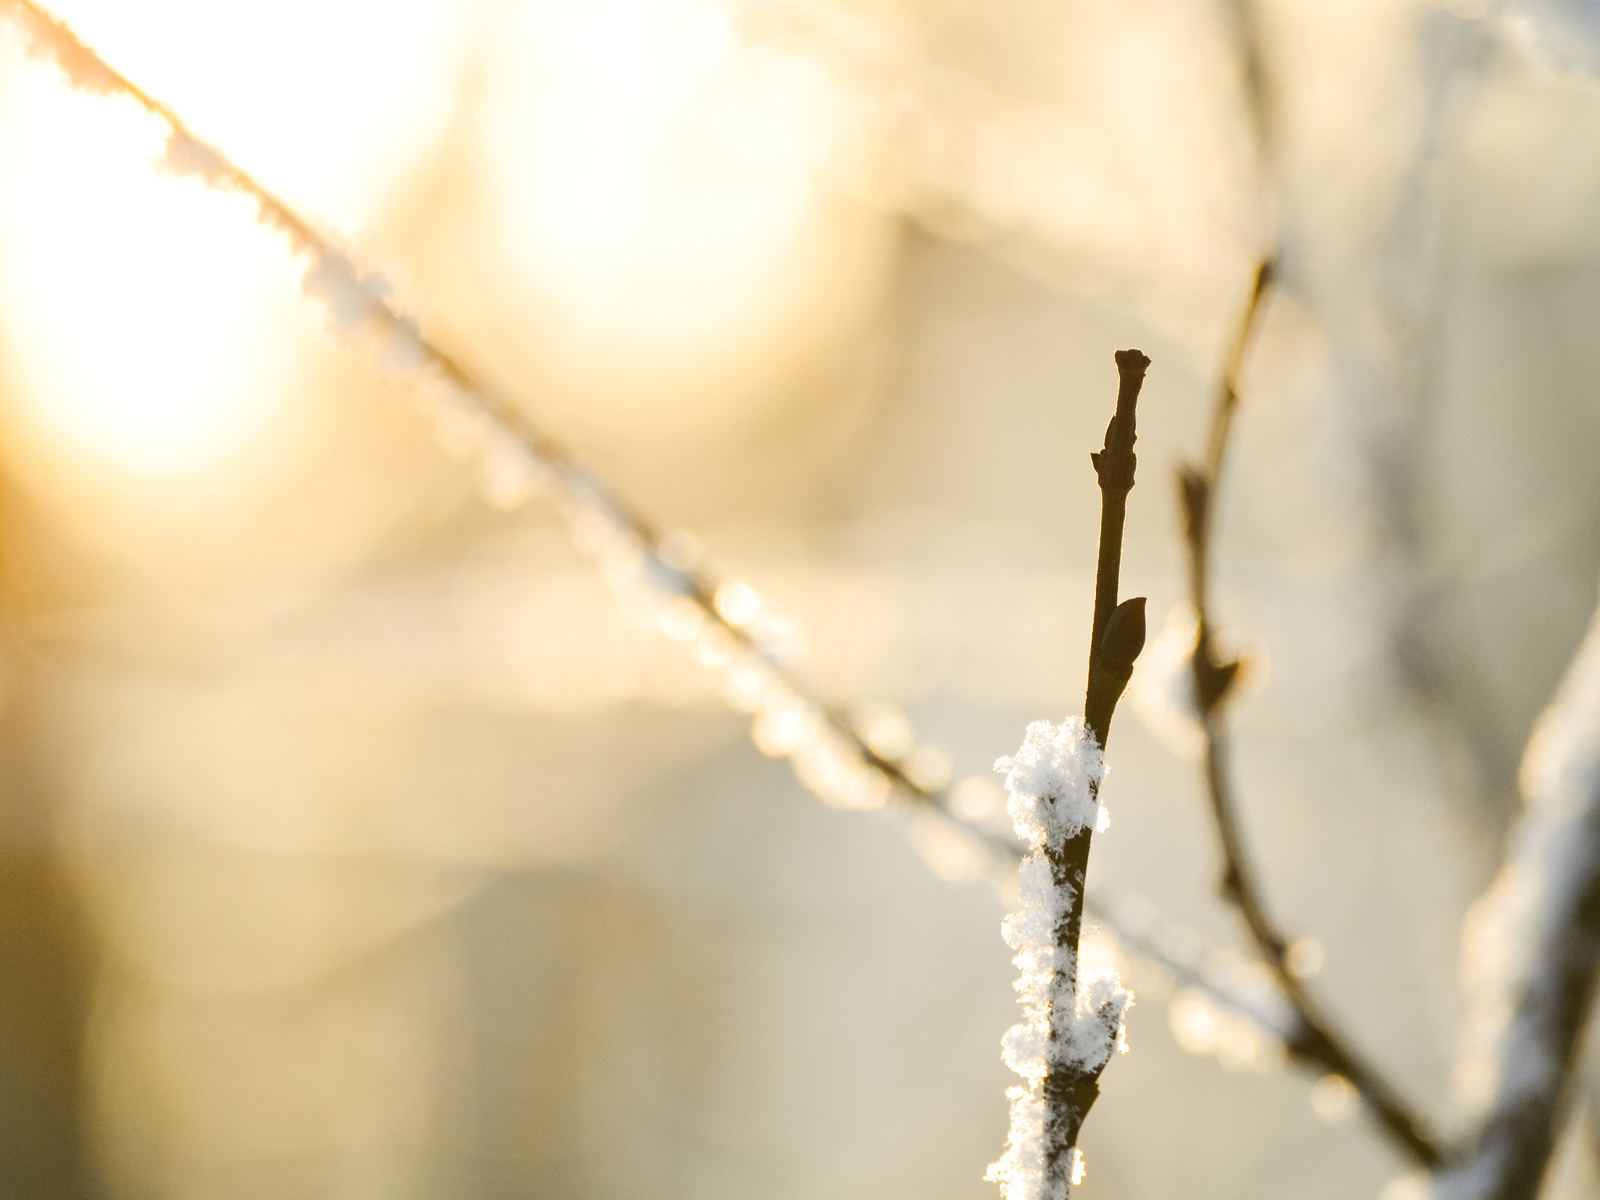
1318	1042
1116	637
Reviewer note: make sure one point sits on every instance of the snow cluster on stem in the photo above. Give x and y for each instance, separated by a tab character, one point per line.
1071	1025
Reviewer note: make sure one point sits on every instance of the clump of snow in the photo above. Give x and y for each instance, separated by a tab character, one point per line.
186	155
352	299
1072	1024
1054	781
49	40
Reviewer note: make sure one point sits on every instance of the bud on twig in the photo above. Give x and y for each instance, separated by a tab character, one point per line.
1124	638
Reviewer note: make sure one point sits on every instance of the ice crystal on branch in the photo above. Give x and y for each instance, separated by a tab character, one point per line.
1072	1025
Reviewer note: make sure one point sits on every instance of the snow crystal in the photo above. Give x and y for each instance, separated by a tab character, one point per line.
1071	1023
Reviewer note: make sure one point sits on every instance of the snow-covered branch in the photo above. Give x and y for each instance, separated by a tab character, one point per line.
1072	1022
1531	948
659	575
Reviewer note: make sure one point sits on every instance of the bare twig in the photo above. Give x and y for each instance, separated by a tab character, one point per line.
1541	919
1318	1042
1115	641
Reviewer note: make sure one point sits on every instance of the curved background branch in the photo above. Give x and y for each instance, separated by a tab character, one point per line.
1318	1041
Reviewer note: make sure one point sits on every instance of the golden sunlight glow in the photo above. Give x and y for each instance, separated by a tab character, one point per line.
656	174
283	89
133	302
148	320
655	180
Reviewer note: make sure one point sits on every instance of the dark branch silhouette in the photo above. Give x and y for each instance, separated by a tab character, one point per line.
1115	640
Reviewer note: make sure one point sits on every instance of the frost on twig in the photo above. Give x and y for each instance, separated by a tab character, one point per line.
47	39
1531	949
656	574
1072	1024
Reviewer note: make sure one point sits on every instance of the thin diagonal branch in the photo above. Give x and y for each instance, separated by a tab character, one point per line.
573	487
1319	1042
497	429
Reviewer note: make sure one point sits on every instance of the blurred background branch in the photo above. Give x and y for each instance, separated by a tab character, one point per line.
1317	1043
1532	948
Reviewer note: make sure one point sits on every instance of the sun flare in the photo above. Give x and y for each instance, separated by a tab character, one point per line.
133	303
655	182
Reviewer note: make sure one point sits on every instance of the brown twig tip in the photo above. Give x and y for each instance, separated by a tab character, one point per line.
1124	637
1116	462
1132	362
1114	466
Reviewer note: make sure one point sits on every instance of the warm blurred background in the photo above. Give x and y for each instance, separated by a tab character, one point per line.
354	847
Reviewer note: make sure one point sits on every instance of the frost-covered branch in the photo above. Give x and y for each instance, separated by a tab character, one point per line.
850	758
850	761
1072	1022
1531	949
1318	1043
